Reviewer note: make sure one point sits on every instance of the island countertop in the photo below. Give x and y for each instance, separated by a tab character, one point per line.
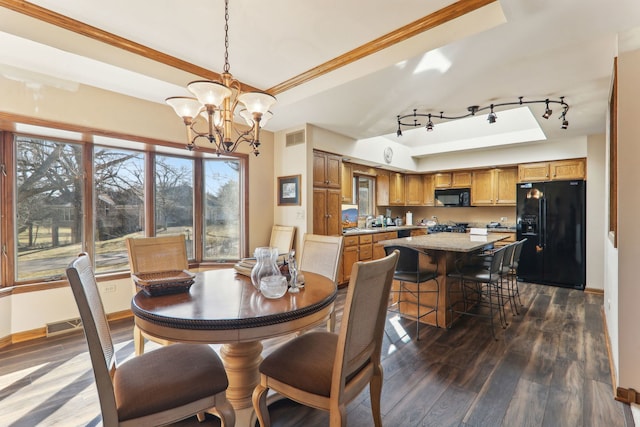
453	242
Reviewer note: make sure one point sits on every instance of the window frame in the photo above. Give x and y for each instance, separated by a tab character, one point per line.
149	147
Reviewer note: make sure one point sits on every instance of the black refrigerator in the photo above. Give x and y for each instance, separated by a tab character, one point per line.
552	217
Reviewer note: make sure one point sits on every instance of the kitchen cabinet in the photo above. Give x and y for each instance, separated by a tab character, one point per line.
378	248
382	188
327	169
414	190
428	187
347	183
549	171
418	232
494	187
461	179
327	209
396	189
355	248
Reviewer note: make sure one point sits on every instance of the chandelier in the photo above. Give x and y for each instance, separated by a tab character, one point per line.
214	106
492	117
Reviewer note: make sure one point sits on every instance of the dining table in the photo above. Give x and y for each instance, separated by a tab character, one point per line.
223	307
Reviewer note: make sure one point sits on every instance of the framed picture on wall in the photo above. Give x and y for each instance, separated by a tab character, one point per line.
289	190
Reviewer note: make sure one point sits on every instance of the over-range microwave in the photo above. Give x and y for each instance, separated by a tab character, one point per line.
460	197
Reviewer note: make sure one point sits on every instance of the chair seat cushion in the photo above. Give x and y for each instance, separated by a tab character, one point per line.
290	363
413	277
144	385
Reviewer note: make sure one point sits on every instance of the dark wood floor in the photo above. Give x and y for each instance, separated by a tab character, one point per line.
549	367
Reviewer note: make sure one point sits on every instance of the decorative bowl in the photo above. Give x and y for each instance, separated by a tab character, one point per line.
273	286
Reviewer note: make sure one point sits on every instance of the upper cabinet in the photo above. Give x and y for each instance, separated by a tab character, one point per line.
461	179
382	188
494	187
414	194
327	169
429	190
549	171
347	183
396	189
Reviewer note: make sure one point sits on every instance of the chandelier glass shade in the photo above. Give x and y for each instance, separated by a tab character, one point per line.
210	113
492	117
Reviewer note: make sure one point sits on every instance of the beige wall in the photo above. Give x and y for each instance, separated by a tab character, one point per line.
628	251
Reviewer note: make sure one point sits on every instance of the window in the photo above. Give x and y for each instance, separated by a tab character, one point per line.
366	194
49	206
118	177
174	198
222	203
61	197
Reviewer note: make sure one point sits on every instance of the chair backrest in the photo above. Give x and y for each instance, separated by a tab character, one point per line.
363	319
509	250
321	255
495	266
282	238
153	254
96	330
516	253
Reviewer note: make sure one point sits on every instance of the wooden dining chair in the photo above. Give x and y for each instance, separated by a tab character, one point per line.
325	370
321	255
154	254
161	387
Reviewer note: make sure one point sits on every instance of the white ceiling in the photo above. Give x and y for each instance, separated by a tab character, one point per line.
536	49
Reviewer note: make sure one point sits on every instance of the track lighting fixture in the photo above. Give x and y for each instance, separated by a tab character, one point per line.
491	118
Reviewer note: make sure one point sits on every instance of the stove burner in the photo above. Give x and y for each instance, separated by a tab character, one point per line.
441	228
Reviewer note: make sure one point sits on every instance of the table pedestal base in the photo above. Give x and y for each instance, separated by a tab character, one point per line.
241	361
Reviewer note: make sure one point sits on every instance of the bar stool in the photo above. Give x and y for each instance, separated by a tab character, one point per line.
480	286
410	270
514	291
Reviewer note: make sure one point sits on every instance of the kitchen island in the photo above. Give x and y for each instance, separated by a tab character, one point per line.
445	249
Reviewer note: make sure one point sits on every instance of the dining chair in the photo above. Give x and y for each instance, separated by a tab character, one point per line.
157	388
282	238
480	278
413	273
326	370
155	254
321	255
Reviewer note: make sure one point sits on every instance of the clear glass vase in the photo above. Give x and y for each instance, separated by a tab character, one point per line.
266	264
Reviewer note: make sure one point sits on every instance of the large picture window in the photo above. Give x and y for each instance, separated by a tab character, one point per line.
49	207
62	197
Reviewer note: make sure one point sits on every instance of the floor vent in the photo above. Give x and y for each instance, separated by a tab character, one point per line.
63	327
295	138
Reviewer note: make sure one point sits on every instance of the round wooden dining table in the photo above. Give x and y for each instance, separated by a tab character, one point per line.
223	307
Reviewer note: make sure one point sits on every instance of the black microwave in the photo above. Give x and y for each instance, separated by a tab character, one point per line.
460	197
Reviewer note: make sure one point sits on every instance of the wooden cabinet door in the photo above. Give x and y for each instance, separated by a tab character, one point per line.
443	180
461	179
334	171
349	257
428	187
334	212
319	211
382	189
378	251
319	169
414	190
482	188
347	183
532	172
504	192
567	169
396	189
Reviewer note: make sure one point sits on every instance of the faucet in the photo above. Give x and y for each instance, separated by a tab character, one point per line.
369	222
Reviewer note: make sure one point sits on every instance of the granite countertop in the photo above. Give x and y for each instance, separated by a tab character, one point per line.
356	231
453	242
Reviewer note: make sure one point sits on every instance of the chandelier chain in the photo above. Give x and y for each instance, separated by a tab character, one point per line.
226	36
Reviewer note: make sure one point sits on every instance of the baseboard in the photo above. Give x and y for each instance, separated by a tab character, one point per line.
594	291
619	393
33	334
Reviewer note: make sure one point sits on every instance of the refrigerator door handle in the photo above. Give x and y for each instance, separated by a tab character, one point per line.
540	224
543	219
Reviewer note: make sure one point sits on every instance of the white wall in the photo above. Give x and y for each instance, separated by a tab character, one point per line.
596	185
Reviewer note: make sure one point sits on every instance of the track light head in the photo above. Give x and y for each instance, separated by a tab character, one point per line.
429	126
565	124
492	116
547	111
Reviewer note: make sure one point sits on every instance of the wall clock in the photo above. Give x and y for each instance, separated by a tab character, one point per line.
388	154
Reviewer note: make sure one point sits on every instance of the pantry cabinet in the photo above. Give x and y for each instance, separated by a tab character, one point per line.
327	170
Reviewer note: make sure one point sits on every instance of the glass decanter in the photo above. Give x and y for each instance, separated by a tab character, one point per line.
266	264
